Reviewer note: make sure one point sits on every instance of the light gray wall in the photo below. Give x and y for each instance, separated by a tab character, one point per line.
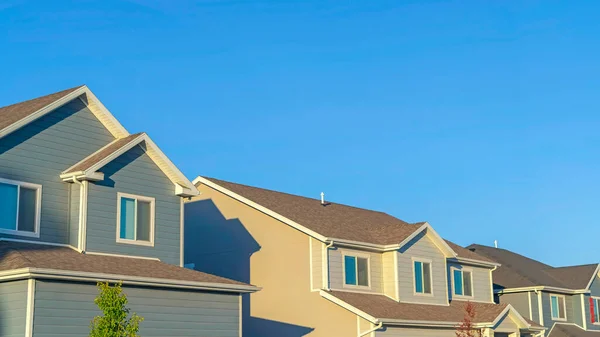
422	247
520	301
595	291
74	214
13	308
135	173
535	312
40	151
482	283
336	271
547	313
506	325
577	317
66	309
415	332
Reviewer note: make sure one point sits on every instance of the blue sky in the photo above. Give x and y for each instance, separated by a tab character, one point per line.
480	117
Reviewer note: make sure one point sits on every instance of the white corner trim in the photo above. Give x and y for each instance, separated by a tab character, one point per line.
181	233
259	208
240	315
30	308
530	307
540	307
55	274
348	307
396	277
583	314
121	255
82	232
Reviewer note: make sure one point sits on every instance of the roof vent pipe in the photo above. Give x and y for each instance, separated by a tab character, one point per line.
496	243
322	198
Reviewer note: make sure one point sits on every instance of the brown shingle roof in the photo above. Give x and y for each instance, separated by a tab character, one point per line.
336	220
571	330
519	271
13	113
382	307
16	255
99	155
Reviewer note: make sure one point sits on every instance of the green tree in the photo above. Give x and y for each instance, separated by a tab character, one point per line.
114	321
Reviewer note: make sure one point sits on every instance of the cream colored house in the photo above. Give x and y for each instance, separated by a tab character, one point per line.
327	269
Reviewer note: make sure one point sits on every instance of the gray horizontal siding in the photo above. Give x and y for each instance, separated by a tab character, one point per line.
422	247
415	332
520	301
336	271
66	309
74	215
13	308
134	173
547	313
482	283
41	150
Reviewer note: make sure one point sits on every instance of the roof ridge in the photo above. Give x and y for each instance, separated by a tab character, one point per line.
576	265
43	96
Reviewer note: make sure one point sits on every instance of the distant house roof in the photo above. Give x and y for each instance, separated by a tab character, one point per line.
571	330
16	116
517	271
45	259
16	112
336	221
385	309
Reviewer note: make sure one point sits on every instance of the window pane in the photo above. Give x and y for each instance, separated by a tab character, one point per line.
363	272
350	269
418	277
458	282
554	303
427	278
27	209
127	219
596	311
467	282
561	308
143	220
8	206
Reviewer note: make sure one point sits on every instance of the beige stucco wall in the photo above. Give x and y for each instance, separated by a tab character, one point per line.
281	267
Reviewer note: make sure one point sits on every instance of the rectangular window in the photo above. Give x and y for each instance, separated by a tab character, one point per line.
20	207
356	271
135	219
462	282
422	271
557	307
595	302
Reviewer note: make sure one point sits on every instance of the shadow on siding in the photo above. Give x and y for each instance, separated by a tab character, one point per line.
223	247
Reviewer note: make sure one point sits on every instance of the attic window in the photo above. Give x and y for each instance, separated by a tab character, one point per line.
557	307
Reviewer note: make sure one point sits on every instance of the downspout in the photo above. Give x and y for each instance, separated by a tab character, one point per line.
81	237
379	326
329	245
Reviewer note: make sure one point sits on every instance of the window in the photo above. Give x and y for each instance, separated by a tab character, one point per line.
135	219
595	309
356	271
463	282
20	207
557	307
422	271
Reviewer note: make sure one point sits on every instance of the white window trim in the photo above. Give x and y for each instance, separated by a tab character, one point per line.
356	255
596	300
462	270
38	208
152	216
414	286
564	306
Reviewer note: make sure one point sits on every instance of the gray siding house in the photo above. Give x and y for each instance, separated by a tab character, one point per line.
82	200
566	300
327	269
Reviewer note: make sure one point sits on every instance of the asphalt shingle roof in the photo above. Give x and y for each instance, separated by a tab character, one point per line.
570	330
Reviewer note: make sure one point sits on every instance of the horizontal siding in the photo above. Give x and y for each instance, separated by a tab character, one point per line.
422	247
547	313
135	173
520	301
336	272
74	215
316	247
415	332
13	308
506	324
389	274
66	309
482	284
41	150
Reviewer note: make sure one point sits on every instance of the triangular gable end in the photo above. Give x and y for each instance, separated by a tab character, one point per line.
593	278
183	186
439	242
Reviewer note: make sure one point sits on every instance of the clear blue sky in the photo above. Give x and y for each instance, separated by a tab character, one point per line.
480	117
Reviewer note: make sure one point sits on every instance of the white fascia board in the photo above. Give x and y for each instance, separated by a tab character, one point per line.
54	274
543	288
472	262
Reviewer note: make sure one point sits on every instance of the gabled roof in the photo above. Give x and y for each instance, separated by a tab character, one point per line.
335	222
18	115
379	308
52	260
518	271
